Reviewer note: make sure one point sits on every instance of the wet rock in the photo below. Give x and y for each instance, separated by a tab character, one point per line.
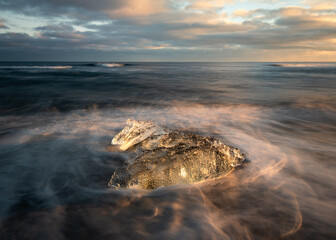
162	157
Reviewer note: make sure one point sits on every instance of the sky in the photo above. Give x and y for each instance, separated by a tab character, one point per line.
168	30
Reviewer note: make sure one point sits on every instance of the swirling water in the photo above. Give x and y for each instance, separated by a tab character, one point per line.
57	121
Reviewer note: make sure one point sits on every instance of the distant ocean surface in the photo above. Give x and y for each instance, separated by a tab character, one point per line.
57	121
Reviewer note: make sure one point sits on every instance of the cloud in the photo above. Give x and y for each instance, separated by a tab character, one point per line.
287	28
13	40
112	8
241	13
2	25
170	26
321	4
291	11
302	23
59	32
203	5
55	28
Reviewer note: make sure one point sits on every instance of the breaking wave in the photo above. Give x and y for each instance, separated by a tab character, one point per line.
110	65
65	165
35	67
107	65
300	65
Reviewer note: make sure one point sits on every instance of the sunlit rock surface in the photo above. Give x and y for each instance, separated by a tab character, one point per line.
163	157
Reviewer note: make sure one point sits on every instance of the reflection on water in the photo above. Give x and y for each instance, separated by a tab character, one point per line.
55	164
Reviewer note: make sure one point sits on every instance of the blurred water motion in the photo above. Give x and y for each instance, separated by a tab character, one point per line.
57	122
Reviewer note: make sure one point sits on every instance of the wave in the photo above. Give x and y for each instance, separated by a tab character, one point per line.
108	65
35	67
280	186
303	65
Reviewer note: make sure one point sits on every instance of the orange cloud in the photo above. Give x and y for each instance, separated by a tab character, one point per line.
135	8
321	4
292	11
207	4
2	25
241	13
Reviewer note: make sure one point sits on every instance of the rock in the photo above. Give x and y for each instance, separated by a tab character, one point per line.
162	157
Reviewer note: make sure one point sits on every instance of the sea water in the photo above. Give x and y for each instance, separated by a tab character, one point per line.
57	121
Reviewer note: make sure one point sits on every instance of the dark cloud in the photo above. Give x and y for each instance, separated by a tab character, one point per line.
55	28
59	32
30	5
55	51
302	23
13	40
85	9
81	4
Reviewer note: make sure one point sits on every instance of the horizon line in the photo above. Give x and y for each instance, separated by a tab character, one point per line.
116	61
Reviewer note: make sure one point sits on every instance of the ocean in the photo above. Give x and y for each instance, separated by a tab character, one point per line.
57	121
